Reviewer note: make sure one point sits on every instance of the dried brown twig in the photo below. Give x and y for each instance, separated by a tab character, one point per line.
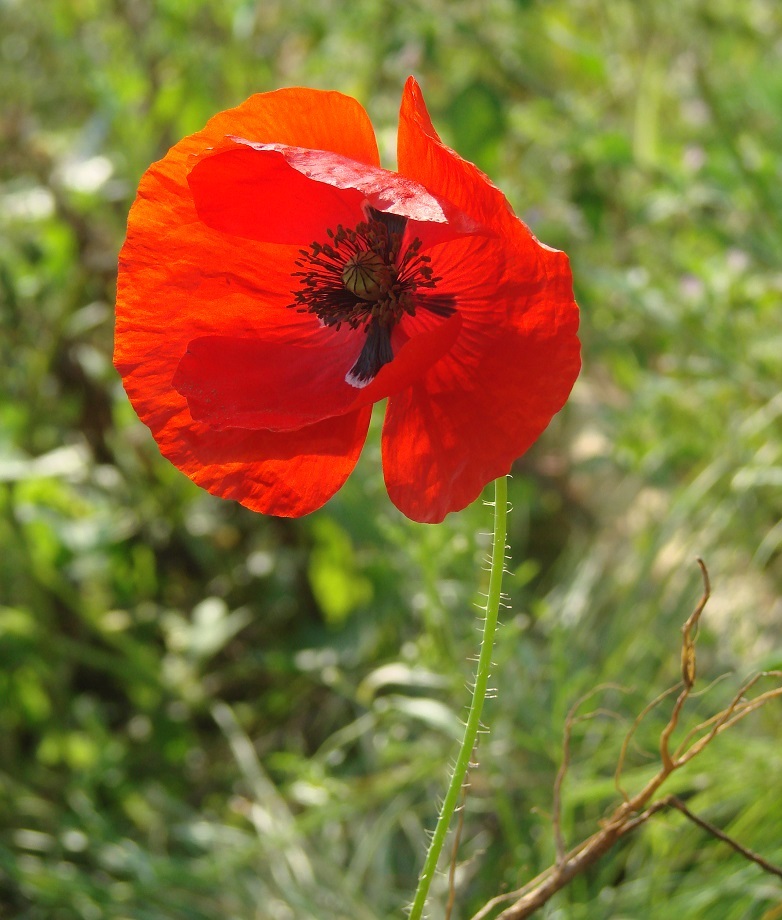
570	722
637	809
672	801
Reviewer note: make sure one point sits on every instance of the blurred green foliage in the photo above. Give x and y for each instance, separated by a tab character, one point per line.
205	713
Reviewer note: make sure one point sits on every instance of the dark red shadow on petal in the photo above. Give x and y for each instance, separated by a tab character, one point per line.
258	384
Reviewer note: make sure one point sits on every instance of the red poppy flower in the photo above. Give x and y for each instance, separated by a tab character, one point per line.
276	282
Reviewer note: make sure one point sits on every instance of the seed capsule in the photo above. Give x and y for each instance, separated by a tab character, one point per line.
362	274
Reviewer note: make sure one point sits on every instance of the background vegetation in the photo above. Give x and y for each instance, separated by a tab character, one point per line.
205	713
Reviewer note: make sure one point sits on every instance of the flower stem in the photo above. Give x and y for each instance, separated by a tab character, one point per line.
478	697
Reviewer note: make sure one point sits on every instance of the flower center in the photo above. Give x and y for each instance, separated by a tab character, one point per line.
366	280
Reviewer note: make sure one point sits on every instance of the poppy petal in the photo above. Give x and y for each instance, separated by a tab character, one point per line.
465	421
300	117
281	194
423	157
179	280
174	270
287	473
265	383
479	276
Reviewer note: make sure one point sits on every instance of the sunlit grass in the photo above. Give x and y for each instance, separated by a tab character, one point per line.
204	713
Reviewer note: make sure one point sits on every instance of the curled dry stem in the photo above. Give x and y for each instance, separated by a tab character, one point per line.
571	720
672	801
635	810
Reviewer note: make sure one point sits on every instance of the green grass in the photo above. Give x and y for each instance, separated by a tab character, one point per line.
205	713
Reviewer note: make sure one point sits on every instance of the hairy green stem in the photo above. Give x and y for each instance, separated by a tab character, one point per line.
478	697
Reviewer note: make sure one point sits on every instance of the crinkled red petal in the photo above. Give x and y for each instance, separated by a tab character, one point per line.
464	422
422	156
285	473
299	117
180	280
513	365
